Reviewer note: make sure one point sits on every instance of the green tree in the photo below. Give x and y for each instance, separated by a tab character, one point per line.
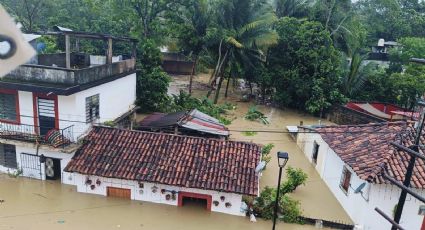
292	8
242	29
190	27
305	66
152	81
392	19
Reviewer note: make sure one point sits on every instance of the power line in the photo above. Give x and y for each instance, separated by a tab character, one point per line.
277	131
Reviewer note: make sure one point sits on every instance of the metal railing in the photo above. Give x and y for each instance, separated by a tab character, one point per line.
30	133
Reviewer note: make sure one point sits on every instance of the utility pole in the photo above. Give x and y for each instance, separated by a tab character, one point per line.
410	167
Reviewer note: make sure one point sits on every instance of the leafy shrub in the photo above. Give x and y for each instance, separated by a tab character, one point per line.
288	210
109	123
253	115
184	101
15	174
296	177
265	153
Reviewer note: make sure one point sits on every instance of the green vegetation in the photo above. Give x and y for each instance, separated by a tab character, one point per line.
184	101
249	133
254	115
289	210
15	174
296	177
265	153
304	54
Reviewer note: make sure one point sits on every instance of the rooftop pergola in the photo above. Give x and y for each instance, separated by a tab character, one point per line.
60	31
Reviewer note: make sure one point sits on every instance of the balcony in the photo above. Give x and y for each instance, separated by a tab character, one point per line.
49	70
56	138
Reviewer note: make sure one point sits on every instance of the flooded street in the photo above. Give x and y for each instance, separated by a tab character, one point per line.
33	204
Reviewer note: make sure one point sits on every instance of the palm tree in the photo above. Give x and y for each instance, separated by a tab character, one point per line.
292	8
355	76
243	30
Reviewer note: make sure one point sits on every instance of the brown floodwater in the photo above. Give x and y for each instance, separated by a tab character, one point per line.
34	204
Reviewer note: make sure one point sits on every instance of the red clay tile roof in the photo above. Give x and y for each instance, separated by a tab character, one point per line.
183	161
366	148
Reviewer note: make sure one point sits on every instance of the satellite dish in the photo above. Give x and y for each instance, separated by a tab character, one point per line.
260	167
359	189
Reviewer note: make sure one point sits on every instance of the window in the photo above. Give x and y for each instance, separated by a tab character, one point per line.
92	108
345	180
8	106
8	156
315	152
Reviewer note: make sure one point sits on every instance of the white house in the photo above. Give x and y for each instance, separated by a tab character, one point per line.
48	105
166	168
350	158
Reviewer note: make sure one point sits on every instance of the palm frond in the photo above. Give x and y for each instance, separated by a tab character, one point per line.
234	42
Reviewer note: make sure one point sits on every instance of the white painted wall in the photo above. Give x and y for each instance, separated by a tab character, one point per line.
29	148
116	98
146	194
360	207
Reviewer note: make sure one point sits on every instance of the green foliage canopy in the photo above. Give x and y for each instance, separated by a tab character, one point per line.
305	66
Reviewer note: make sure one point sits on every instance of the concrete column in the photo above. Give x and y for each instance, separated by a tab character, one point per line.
109	57
67	52
134	50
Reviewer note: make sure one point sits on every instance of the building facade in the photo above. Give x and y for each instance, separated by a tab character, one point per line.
359	196
229	203
47	106
166	168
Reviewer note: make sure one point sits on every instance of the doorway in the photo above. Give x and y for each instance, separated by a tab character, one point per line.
118	192
46	115
52	168
194	199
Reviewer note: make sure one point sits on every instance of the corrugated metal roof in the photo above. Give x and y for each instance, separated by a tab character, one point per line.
193	120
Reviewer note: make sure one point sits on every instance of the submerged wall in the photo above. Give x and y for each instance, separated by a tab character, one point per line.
146	192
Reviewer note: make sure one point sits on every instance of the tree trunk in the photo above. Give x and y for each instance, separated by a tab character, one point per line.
250	89
217	92
218	72
227	86
191	76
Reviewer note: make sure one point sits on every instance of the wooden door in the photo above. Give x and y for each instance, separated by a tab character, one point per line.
119	192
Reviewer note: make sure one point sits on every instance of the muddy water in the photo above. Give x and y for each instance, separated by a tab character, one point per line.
316	199
33	204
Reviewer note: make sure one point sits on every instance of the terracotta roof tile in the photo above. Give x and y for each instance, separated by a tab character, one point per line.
366	149
184	161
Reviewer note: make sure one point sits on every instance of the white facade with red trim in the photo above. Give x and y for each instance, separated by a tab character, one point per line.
157	193
115	99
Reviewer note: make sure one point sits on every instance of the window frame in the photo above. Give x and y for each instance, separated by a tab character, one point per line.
89	106
4	160
342	182
17	121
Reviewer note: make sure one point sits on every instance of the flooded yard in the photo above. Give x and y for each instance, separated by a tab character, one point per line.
33	204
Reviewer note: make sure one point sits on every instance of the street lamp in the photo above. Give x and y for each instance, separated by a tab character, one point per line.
282	158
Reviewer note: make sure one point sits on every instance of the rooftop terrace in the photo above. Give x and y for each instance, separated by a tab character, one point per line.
64	73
